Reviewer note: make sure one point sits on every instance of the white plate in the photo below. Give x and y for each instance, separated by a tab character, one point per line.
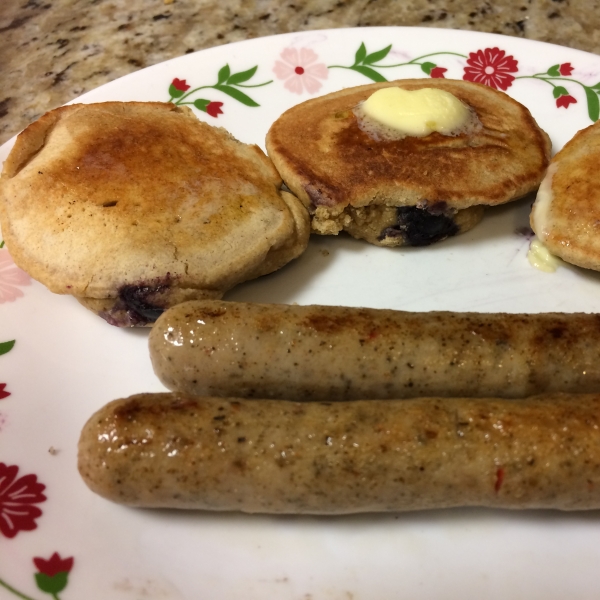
66	363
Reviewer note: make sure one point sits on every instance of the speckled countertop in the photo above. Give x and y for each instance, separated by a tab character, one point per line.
51	51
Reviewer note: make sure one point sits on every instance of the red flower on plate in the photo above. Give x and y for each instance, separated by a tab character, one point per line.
54	565
438	73
3	392
53	574
565	100
565	69
180	84
214	109
491	67
18	497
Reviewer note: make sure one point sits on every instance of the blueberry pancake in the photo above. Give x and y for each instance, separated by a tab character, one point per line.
566	213
406	190
133	207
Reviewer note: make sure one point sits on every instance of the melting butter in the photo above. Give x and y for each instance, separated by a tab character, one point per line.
417	112
540	211
540	257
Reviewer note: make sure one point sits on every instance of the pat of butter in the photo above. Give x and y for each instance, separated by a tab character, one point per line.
418	112
540	257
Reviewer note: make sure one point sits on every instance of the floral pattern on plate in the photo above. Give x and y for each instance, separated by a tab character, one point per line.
52	576
489	66
227	83
5	347
12	279
4	393
19	497
300	72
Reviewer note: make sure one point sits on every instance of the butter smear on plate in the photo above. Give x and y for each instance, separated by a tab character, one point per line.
541	258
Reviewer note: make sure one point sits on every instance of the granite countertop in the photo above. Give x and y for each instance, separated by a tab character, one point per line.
52	51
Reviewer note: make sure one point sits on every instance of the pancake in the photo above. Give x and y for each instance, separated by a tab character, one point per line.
414	190
566	213
133	207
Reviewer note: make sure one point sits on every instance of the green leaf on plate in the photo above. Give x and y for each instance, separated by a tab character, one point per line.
236	95
559	90
593	103
368	72
377	56
223	75
361	54
241	77
6	346
554	71
52	584
175	93
201	104
426	67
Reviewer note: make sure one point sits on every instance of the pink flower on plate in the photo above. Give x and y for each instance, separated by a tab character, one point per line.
300	70
11	278
438	73
491	67
4	393
18	498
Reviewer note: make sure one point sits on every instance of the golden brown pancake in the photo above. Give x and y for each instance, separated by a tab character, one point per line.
566	213
133	207
414	190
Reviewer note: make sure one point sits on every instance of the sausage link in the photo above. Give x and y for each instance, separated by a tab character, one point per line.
215	348
270	456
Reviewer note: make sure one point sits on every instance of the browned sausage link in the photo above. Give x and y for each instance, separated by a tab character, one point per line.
214	348
171	450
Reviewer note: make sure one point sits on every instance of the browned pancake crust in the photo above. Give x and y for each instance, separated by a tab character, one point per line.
95	199
328	161
571	229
